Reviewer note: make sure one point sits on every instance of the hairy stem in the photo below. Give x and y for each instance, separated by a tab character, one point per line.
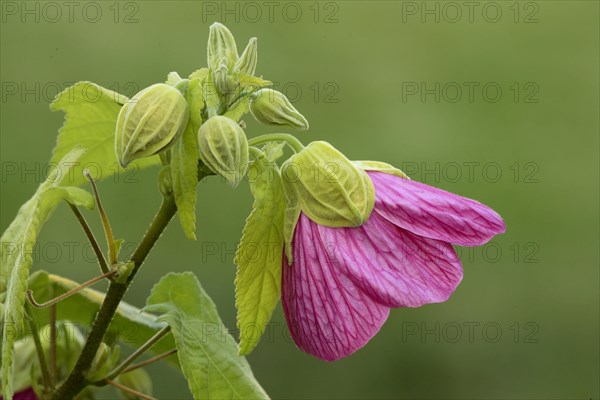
138	353
288	139
69	293
151	360
129	390
76	380
52	363
92	239
110	239
40	352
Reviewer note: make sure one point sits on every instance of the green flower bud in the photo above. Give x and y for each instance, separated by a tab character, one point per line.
137	379
124	270
247	62
328	187
271	107
224	148
104	361
221	45
150	122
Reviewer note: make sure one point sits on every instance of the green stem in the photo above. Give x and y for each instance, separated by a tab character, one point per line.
69	293
40	351
129	390
151	360
110	239
52	363
76	380
255	152
138	353
289	140
91	238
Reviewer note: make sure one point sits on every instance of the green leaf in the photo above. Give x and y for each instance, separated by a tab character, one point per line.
207	353
259	255
184	162
90	121
16	246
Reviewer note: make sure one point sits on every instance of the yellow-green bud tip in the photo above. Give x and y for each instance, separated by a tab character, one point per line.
271	107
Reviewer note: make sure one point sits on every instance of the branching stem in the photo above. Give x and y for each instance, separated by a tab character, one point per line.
138	353
68	293
76	380
151	360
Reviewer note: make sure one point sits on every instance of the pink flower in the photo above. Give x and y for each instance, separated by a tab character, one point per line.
26	394
343	281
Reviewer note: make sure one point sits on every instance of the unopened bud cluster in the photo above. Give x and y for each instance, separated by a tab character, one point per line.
341	196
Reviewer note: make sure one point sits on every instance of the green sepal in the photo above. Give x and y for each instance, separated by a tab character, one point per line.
271	107
151	122
246	64
292	214
223	148
381	167
221	46
328	187
173	78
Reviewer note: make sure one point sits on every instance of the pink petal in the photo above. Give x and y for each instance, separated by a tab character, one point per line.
328	315
27	394
434	213
393	266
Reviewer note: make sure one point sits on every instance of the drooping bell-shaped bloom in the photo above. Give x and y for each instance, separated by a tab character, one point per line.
343	281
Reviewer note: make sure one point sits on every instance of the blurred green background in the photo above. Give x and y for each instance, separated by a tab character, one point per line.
379	80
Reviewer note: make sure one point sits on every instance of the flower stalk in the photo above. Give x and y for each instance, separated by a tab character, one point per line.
151	360
91	238
40	351
112	248
138	353
69	293
130	390
288	139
